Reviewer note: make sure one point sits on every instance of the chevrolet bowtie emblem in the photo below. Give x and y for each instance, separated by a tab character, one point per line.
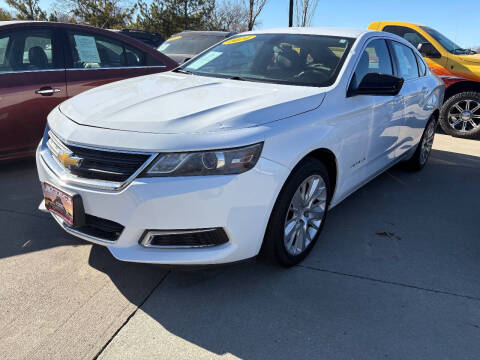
68	160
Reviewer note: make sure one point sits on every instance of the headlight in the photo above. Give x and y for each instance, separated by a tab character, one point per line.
214	162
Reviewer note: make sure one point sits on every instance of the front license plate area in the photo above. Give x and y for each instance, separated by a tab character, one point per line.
68	207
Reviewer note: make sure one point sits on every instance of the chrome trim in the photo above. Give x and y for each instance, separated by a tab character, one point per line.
79	234
29	71
47	91
68	178
118	68
148	237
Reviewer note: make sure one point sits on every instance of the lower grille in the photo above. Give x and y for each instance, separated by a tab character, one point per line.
185	238
100	228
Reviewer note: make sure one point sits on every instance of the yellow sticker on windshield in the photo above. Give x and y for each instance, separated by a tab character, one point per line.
174	38
239	39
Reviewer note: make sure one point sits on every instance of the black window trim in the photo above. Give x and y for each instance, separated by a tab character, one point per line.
58	56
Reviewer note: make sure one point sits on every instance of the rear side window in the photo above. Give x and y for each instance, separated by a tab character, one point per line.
4	65
412	36
27	50
375	59
89	51
422	68
407	64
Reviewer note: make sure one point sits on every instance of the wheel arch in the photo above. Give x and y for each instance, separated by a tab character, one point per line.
461	86
328	158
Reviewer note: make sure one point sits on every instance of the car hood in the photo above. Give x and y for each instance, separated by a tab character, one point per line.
472	59
171	103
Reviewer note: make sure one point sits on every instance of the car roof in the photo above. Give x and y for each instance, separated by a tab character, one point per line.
328	31
213	33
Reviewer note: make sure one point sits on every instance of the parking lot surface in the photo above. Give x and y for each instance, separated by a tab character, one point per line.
395	276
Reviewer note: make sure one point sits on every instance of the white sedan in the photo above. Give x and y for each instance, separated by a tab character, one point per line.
240	151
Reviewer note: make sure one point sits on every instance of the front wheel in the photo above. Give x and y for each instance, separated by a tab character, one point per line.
298	215
460	115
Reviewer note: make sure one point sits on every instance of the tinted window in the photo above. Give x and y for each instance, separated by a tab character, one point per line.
375	59
422	68
95	51
27	50
4	64
306	60
189	44
412	36
407	64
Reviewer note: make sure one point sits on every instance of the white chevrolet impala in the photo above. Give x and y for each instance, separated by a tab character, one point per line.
240	151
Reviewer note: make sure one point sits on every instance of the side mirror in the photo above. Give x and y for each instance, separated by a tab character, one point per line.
379	85
428	50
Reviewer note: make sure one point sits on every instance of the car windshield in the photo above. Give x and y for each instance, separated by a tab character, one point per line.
189	44
305	60
448	44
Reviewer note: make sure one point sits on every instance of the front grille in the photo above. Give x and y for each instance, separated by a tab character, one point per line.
96	164
100	228
185	238
106	165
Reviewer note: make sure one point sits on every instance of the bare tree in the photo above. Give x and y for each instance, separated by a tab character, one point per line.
254	8
304	11
230	15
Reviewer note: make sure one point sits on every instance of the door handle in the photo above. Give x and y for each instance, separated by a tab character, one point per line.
47	91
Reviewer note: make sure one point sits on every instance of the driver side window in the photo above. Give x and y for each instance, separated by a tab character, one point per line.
375	59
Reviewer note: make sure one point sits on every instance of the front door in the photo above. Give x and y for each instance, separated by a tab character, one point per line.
32	75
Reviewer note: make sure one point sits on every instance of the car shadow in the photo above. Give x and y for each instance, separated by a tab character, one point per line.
393	231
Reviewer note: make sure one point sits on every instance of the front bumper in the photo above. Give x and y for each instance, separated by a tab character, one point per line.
239	204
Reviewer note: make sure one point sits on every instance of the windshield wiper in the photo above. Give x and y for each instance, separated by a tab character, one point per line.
239	78
183	71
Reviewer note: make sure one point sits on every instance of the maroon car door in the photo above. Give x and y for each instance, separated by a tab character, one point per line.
32	78
94	59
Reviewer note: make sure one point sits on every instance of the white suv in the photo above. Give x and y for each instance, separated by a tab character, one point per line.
242	149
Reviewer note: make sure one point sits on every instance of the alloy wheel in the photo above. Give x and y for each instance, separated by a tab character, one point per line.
427	142
464	115
305	214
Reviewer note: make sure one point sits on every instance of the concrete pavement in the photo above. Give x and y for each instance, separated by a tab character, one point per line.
394	276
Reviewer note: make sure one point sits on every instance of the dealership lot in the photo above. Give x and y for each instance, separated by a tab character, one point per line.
395	275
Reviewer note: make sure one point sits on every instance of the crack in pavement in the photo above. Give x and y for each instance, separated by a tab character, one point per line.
362	277
130	316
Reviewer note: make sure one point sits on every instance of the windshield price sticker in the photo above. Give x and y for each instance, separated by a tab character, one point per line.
239	39
205	59
174	38
87	49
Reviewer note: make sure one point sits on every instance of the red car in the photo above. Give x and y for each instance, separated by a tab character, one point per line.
43	63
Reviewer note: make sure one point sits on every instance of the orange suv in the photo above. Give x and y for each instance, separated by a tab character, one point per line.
459	68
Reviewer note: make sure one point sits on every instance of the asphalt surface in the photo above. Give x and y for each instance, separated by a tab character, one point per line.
395	276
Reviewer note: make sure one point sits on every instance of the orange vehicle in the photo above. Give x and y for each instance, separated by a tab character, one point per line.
459	68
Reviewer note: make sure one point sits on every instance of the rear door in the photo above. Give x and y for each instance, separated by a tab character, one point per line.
94	59
32	78
415	94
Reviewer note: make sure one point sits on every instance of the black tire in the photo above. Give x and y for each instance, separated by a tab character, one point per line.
470	133
417	162
273	248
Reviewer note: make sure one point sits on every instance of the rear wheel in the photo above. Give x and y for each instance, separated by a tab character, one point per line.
424	148
461	115
298	215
